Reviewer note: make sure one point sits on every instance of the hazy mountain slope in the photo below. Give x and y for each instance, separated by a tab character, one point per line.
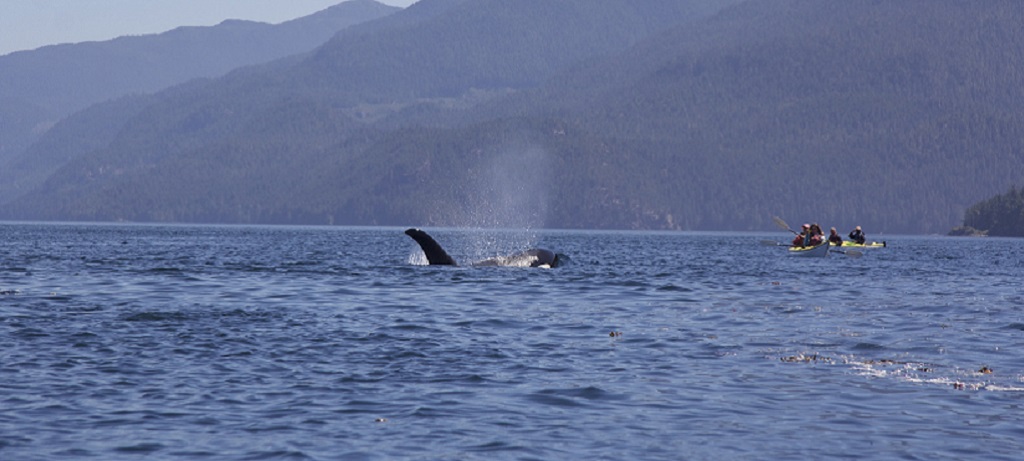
892	115
90	129
21	122
486	44
394	59
895	115
54	81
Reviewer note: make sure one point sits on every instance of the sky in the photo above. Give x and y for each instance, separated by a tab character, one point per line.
30	24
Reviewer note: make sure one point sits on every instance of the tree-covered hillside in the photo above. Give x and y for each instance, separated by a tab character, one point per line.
889	114
1001	216
302	112
647	115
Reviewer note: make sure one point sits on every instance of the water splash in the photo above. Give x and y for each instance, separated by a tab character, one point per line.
511	191
417	258
506	201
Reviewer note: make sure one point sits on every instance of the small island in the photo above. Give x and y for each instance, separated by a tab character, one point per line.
1001	216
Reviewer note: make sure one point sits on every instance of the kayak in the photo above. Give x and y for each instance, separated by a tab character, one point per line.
819	251
864	245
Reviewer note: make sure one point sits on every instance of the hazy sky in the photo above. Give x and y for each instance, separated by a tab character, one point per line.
29	24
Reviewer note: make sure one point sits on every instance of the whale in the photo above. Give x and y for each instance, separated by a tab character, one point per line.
436	256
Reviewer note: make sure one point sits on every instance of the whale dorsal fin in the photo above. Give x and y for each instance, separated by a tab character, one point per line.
436	255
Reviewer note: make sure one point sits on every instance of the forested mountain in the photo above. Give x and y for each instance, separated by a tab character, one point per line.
609	114
1000	216
894	115
297	110
39	87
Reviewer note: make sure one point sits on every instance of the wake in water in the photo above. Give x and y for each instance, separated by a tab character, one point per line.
982	379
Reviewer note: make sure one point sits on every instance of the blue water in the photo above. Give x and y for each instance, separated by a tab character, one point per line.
231	343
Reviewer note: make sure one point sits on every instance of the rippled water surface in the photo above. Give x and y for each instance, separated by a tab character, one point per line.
188	342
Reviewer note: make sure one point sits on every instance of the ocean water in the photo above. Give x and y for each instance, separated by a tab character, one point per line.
236	343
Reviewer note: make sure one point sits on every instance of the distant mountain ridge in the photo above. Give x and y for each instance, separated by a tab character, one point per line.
383	65
642	115
892	114
39	87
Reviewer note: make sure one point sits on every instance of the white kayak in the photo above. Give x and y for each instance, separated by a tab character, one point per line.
818	251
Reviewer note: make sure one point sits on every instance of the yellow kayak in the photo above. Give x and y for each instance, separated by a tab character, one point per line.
863	245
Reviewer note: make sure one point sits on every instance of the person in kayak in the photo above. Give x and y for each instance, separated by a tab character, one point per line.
817	235
834	238
857	235
798	240
805	238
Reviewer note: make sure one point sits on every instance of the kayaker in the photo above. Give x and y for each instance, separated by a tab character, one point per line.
834	238
817	235
857	235
803	239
